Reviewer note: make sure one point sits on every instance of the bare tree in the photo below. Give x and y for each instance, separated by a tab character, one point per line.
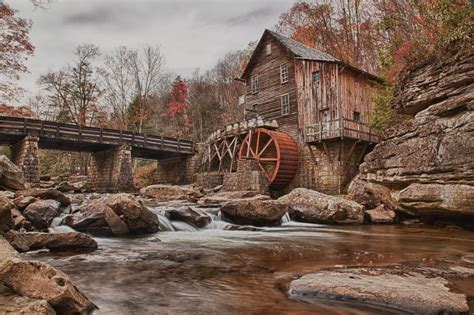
74	91
119	85
146	67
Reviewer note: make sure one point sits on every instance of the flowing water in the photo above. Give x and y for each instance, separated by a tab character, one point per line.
217	270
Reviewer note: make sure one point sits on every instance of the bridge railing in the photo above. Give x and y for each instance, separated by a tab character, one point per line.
54	130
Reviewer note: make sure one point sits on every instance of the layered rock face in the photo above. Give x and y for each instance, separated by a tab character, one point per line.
425	166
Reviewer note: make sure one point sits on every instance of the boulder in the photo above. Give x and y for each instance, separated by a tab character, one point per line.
138	218
6	208
412	292
425	165
72	241
75	187
226	196
42	193
42	212
254	211
11	175
22	202
314	207
171	192
381	215
37	280
97	218
191	216
14	304
19	221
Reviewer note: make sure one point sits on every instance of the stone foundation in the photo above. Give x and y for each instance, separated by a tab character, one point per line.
209	181
25	156
111	170
329	168
247	177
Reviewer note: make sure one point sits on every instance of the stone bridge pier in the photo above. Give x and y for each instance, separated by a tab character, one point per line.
111	170
24	154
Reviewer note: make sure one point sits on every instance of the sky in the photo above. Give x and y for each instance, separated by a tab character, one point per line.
191	34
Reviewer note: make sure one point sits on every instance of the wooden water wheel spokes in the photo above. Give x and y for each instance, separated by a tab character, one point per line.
275	153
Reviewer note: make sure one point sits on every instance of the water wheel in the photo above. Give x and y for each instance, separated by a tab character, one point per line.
276	154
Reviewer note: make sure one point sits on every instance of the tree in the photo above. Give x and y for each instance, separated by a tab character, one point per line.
146	67
75	90
343	28
16	48
177	108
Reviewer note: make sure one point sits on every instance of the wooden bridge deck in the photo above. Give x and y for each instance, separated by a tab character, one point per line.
69	137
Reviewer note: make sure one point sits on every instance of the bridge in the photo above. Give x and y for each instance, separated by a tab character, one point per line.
111	150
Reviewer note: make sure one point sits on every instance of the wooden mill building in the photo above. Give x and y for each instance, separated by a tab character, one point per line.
319	102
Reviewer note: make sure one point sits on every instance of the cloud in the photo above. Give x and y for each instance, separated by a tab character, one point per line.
192	33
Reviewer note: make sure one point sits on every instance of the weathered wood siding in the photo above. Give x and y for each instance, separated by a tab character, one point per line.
314	96
267	100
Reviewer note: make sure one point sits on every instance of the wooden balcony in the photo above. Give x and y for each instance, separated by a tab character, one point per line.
340	129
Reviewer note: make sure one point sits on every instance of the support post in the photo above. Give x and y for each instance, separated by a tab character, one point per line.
25	156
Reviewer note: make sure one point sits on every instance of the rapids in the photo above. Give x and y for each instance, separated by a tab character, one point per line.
224	268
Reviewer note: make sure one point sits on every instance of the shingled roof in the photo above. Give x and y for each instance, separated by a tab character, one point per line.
300	50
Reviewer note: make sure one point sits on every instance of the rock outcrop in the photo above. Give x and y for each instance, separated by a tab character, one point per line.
425	166
6	208
314	207
254	211
412	292
11	175
171	192
72	241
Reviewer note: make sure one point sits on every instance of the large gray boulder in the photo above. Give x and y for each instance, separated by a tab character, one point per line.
254	211
314	207
97	218
412	292
171	192
71	241
42	212
116	214
138	218
11	176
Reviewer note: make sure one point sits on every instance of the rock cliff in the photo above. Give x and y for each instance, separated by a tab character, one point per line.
425	166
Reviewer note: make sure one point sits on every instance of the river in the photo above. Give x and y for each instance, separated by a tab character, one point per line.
215	270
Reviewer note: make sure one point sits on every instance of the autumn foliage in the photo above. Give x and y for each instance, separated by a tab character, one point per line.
177	108
15	48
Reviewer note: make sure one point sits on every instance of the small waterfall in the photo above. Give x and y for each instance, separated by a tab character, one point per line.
165	223
56	226
183	226
286	218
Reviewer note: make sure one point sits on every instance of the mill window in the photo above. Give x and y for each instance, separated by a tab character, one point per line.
356	116
285	104
254	84
316	76
284	73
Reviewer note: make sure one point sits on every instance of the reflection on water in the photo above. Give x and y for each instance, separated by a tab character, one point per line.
226	271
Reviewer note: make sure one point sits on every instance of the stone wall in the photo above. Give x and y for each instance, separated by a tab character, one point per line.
328	168
247	177
111	170
25	156
209	181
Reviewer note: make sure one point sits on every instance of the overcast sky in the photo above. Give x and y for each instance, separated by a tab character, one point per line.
192	34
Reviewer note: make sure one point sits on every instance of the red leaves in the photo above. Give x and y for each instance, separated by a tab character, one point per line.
177	109
16	111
